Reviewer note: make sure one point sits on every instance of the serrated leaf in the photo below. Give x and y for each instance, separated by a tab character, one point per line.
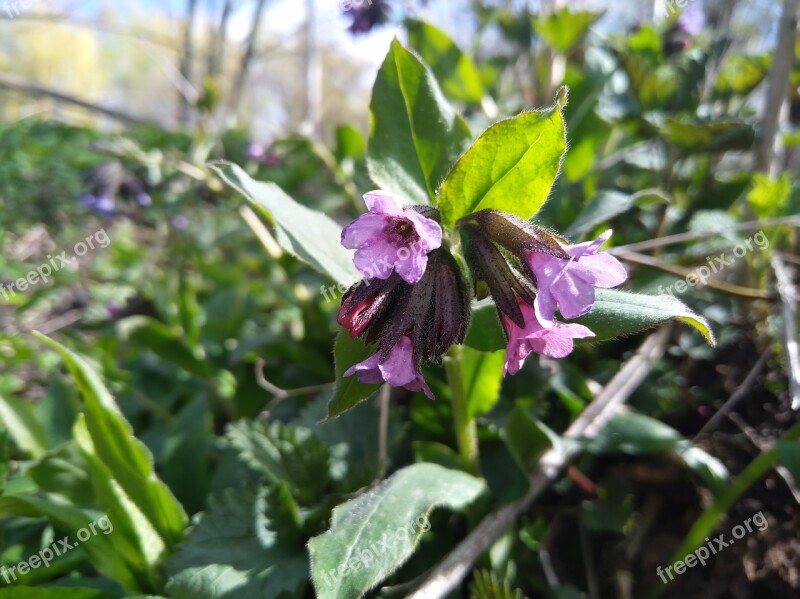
349	392
232	551
374	534
305	233
415	136
511	167
455	71
284	454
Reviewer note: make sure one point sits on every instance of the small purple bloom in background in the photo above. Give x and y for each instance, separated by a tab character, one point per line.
272	159
388	238
144	199
255	151
399	369
692	20
366	14
569	284
551	339
179	221
103	205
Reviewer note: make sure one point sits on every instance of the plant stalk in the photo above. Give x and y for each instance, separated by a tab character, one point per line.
465	429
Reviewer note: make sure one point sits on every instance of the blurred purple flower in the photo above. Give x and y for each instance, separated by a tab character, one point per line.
144	199
179	221
255	151
366	14
102	205
692	20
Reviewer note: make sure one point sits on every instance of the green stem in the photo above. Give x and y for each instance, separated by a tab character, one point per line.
465	429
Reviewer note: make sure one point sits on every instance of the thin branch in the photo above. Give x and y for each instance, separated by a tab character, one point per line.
451	571
659	242
741	392
681	271
15	83
247	58
789	297
280	394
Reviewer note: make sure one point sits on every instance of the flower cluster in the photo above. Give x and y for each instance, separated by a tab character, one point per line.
418	305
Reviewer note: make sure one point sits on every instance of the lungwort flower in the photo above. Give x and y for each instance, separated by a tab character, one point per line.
551	339
568	284
390	239
411	324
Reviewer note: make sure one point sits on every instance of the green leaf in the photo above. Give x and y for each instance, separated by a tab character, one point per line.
485	585
527	438
511	167
305	233
457	74
165	342
415	136
634	434
789	456
769	197
694	136
4	456
563	29
615	314
374	534
109	442
606	205
54	593
233	551
98	548
349	143
20	421
348	392
483	376
740	75
64	471
284	454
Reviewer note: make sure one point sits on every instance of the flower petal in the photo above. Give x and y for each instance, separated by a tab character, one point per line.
601	270
428	230
383	202
411	267
363	230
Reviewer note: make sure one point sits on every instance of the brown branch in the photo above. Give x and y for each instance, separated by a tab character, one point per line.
15	83
452	570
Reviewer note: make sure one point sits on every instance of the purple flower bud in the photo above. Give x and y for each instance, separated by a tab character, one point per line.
389	239
553	339
144	199
255	151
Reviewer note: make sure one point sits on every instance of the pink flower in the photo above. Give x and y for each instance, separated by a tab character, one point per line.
551	339
388	238
399	369
569	284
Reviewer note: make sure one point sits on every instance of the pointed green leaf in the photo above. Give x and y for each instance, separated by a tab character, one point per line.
348	392
483	375
615	314
511	167
305	233
455	71
415	136
20	421
374	534
110	442
563	29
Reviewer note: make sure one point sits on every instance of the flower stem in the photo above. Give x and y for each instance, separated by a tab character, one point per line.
465	429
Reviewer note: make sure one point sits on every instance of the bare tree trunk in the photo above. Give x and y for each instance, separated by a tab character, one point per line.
770	153
184	108
219	40
247	57
313	75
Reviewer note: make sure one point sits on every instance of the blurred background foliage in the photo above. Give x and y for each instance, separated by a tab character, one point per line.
216	344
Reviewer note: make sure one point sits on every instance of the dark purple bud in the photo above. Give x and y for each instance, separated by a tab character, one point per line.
365	302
